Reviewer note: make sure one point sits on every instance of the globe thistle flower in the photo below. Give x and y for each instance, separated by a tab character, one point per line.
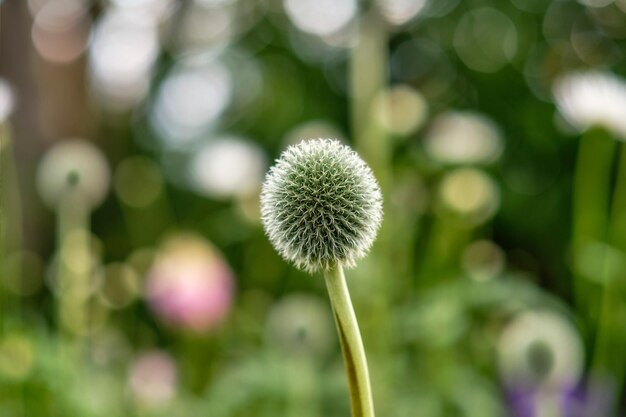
321	205
588	99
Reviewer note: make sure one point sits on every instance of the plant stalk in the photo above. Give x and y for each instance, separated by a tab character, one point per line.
591	206
361	400
609	342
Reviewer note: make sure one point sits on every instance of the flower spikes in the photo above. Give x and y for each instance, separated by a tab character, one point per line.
321	205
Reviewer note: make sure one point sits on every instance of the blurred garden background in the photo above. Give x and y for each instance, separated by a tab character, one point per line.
135	276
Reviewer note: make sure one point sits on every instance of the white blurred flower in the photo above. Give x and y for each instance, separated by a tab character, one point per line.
588	99
121	58
7	100
73	164
190	101
399	12
321	17
540	349
145	11
228	167
457	137
206	27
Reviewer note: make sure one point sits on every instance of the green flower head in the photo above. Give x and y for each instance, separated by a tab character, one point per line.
321	205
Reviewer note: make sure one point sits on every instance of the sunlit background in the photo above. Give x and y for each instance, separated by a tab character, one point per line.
135	277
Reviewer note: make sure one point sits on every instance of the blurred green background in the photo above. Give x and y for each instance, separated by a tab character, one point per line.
136	279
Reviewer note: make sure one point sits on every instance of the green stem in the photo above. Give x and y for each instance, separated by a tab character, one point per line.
303	398
351	344
73	243
591	201
609	343
10	216
369	77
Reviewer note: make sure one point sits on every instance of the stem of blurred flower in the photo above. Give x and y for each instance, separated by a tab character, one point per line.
444	246
10	213
302	380
199	354
590	209
608	354
368	75
369	62
361	399
74	262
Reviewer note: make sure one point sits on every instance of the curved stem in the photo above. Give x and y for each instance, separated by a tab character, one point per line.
351	344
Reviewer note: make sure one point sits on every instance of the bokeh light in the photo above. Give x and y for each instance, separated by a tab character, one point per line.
189	286
228	167
400	12
321	17
61	30
463	138
401	110
470	194
486	39
190	100
121	56
7	100
153	378
592	99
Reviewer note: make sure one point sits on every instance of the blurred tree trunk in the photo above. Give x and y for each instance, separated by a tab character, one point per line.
51	104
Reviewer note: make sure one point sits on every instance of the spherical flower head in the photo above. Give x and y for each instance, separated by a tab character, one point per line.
321	205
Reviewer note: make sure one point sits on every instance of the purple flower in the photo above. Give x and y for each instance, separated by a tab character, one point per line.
569	400
594	400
